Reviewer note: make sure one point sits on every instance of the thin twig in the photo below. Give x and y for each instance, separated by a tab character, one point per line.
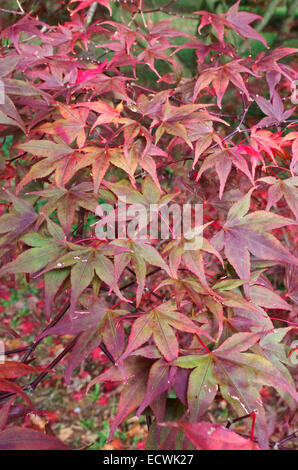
91	13
107	353
32	386
12	11
10	352
34	345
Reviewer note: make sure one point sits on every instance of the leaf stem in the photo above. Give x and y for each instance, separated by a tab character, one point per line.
202	343
253	417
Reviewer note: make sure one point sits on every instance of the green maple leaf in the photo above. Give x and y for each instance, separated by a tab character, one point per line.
240	376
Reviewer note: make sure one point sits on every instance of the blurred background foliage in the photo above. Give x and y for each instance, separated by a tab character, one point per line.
281	16
279	25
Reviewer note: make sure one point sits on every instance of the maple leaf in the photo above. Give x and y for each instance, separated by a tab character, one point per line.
105	326
95	323
282	188
26	24
153	51
223	294
244	234
50	151
44	251
234	19
158	323
292	280
151	199
200	130
268	61
4	413
53	281
138	253
132	154
71	127
207	436
160	379
201	49
107	113
134	375
8	64
292	139
171	121
275	352
124	38
151	106
265	141
268	298
220	77
9	115
222	160
45	148
87	3
132	129
58	157
192	259
100	158
103	83
18	221
89	74
204	142
215	298
139	250
74	31
84	263
82	321
187	286
17	438
255	156
66	201
13	369
16	87
11	387
150	192
240	375
241	20
217	21
274	110
162	29
59	75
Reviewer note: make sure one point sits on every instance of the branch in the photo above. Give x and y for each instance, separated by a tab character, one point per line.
34	345
21	12
107	353
291	13
273	445
32	386
270	10
91	13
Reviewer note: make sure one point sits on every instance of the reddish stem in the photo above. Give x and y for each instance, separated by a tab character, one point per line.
253	417
86	239
285	321
292	350
202	343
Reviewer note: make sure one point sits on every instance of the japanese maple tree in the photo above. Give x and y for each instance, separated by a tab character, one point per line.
96	109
